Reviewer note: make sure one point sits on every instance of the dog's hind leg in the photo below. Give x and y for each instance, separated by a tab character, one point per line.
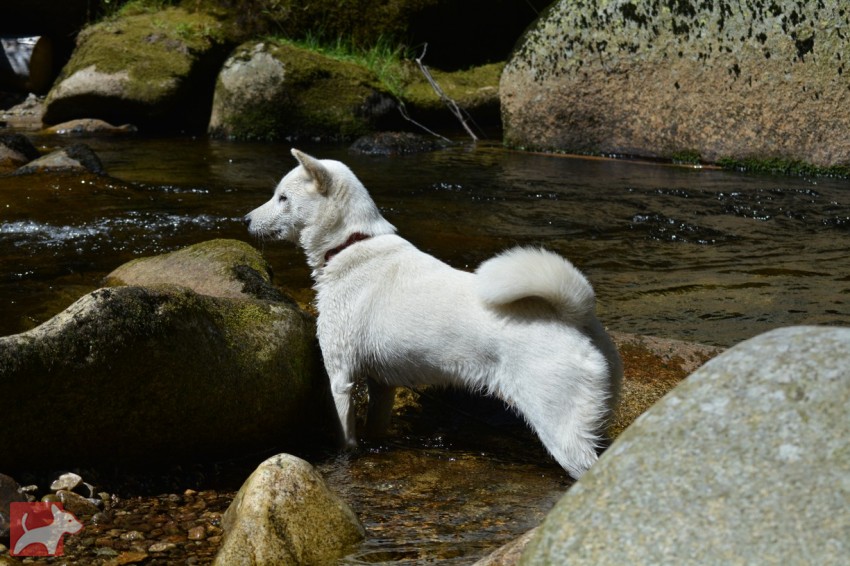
381	399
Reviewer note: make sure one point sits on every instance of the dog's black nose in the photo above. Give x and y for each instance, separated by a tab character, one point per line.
247	221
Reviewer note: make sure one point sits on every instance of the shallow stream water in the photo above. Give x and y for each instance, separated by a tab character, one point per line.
697	254
694	254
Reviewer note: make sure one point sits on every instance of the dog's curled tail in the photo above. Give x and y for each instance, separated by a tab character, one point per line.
521	273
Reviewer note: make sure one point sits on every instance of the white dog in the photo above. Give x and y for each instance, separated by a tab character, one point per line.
522	327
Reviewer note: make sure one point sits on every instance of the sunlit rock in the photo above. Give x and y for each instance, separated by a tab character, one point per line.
708	80
285	514
151	69
746	461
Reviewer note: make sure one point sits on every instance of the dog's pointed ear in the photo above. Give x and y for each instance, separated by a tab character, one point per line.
318	172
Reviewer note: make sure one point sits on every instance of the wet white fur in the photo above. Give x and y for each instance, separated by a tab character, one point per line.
522	327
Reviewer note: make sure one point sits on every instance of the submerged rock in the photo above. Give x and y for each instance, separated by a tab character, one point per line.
285	514
89	126
162	373
396	143
745	461
270	90
713	80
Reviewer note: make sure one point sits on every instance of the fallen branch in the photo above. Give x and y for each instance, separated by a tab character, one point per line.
406	116
451	104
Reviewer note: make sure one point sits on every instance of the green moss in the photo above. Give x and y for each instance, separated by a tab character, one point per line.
790	167
468	87
686	157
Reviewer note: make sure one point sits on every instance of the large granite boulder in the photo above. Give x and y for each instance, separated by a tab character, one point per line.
152	69
714	80
285	514
270	90
161	373
745	462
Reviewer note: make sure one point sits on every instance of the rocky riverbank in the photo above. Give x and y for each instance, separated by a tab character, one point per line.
173	515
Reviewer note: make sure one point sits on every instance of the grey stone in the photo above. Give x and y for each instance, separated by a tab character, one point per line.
67	481
739	80
747	461
285	514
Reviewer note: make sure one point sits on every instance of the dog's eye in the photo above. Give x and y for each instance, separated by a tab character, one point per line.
281	198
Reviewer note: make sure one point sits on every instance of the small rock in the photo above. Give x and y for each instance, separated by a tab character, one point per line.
132	535
197	533
76	503
162	547
77	158
67	481
130	557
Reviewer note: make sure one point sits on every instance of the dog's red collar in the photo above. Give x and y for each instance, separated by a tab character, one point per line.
352	239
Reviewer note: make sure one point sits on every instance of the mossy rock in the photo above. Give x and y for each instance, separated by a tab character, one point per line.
144	68
272	90
135	375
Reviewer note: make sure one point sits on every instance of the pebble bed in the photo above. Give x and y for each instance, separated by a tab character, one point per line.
173	528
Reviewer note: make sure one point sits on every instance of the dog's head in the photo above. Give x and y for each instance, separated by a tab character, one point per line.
318	205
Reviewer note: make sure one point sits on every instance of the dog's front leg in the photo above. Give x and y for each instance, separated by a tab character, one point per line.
342	385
